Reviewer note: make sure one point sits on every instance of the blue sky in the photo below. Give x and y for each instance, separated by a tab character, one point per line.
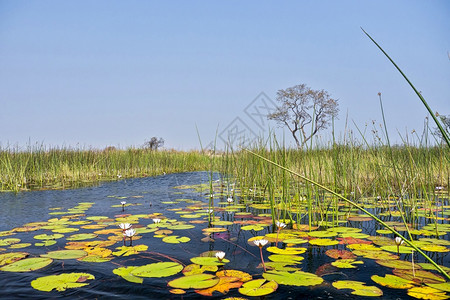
99	73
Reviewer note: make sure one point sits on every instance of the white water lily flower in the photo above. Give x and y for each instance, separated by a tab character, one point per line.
220	255
398	240
260	243
209	211
125	226
280	224
229	200
130	232
123	202
156	220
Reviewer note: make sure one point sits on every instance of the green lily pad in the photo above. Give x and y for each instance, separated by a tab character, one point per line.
208	261
65	230
297	278
295	241
252	227
125	273
10	241
346	263
175	239
291	259
161	269
20	245
322	234
193	269
127	251
27	264
440	286
258	287
392	281
402	249
198	281
8	258
48	236
81	236
180	226
65	254
359	288
397	264
45	243
61	282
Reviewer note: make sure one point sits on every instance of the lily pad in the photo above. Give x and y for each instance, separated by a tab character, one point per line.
291	259
340	254
161	269
48	236
175	239
223	286
242	276
297	278
81	236
323	242
61	282
198	281
393	281
346	263
208	261
27	264
127	251
8	258
287	250
258	287
10	241
125	273
426	292
65	254
397	264
359	288
193	269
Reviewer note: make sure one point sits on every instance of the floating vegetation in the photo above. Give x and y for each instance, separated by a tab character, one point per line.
254	250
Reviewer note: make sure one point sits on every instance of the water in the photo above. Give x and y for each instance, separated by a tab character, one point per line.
19	209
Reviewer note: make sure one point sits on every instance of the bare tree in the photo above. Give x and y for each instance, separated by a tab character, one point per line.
154	143
304	111
445	122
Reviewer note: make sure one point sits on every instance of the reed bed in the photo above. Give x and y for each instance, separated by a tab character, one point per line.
59	168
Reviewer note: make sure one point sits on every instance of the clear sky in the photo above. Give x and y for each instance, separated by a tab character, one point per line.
99	73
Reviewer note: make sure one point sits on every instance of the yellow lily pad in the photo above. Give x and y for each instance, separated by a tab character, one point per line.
359	288
393	281
426	292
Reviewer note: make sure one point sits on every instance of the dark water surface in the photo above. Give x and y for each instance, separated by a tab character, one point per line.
19	209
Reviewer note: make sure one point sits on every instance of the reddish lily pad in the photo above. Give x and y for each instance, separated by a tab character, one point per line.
339	254
223	286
